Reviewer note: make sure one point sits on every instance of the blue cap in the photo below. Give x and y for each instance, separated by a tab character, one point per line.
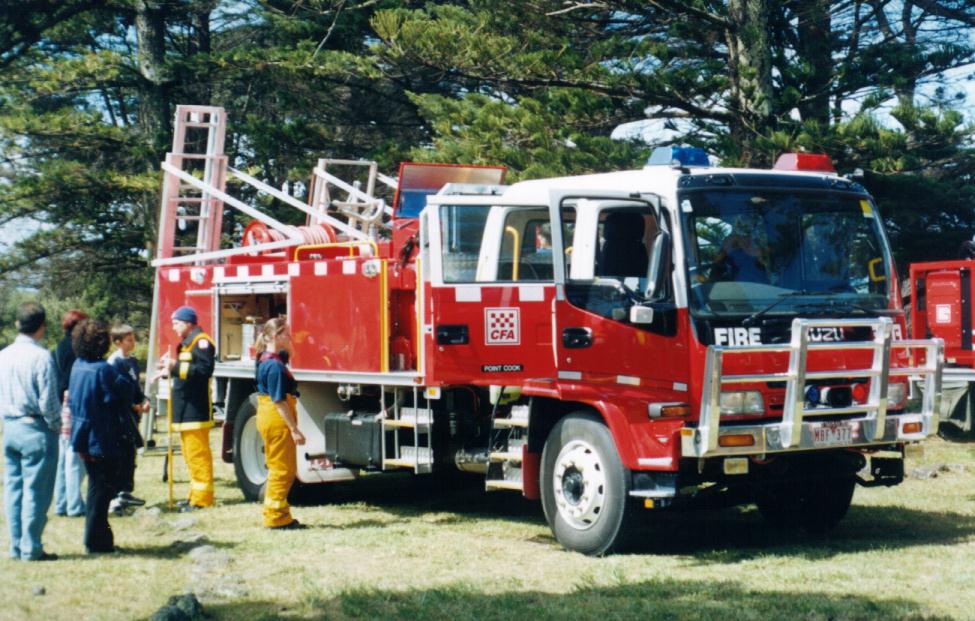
185	313
682	156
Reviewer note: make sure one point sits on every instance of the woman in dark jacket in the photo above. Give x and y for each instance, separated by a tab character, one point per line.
99	398
71	470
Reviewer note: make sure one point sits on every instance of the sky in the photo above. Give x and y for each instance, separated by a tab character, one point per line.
959	80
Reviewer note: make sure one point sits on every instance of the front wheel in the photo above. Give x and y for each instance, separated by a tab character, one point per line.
815	506
249	464
585	486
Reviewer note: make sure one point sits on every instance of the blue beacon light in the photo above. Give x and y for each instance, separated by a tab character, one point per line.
682	156
812	395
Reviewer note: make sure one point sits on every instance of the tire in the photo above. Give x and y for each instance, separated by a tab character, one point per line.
816	507
778	505
249	465
585	488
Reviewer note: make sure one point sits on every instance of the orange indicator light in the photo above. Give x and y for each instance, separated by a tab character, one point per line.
911	428
737	439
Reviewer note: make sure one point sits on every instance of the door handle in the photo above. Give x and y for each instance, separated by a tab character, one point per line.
454	334
576	338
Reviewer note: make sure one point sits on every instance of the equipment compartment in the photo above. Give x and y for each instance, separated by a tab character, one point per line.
241	317
354	439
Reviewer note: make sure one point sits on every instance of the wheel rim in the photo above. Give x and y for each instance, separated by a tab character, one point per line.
579	484
252	452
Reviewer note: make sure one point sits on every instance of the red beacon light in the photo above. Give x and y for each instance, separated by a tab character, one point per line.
805	162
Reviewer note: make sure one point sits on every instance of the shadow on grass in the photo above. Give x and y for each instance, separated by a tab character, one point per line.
740	533
352	525
709	536
171	551
406	495
663	599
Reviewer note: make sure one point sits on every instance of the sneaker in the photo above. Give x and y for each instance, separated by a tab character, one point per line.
128	499
45	556
188	508
292	525
182	503
116	507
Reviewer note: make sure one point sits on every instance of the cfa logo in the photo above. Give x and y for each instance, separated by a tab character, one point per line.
502	326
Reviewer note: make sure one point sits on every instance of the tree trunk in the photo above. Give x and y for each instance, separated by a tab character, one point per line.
906	91
815	53
750	65
201	30
150	28
202	44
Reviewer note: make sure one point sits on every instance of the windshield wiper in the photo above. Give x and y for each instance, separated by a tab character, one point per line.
833	305
783	297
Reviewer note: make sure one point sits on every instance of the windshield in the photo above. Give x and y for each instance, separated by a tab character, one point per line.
749	249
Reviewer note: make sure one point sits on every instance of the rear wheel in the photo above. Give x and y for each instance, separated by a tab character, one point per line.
249	464
815	506
585	486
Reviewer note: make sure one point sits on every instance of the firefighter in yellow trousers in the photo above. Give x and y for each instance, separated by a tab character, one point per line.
277	422
192	407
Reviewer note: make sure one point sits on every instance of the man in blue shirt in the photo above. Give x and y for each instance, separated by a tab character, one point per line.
31	410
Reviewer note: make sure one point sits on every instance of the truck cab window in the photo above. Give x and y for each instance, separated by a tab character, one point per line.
501	243
625	237
751	249
526	246
612	243
461	230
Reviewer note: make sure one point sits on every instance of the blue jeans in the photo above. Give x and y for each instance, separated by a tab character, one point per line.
30	449
67	486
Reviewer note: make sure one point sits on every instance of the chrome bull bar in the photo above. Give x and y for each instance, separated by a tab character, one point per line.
794	432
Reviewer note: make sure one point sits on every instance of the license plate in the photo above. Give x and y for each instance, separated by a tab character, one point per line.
832	434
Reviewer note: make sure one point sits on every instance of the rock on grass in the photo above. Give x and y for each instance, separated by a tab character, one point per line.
179	608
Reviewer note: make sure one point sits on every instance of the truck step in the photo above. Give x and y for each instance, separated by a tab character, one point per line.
508	423
408	458
502	484
410	418
408	463
518	418
506	456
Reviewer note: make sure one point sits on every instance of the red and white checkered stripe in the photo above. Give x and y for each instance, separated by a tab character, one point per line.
261	272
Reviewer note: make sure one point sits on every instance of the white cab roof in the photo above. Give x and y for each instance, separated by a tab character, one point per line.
661	180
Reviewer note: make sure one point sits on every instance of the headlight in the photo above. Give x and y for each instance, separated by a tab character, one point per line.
742	402
896	395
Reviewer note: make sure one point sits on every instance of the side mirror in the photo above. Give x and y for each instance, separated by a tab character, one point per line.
641	315
659	266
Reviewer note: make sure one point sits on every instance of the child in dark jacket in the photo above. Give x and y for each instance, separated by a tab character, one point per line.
122	360
100	400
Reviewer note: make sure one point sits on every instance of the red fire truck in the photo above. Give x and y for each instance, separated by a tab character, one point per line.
941	307
606	343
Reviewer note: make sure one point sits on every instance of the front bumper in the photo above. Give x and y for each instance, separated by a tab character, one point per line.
820	428
818	435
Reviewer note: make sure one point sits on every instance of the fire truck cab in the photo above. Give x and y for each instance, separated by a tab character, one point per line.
661	338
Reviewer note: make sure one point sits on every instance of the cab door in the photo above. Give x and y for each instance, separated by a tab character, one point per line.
488	291
613	244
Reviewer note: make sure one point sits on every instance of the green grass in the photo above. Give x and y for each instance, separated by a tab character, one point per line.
399	547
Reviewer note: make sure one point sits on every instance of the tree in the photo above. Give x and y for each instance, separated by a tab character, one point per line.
86	107
748	79
541	86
